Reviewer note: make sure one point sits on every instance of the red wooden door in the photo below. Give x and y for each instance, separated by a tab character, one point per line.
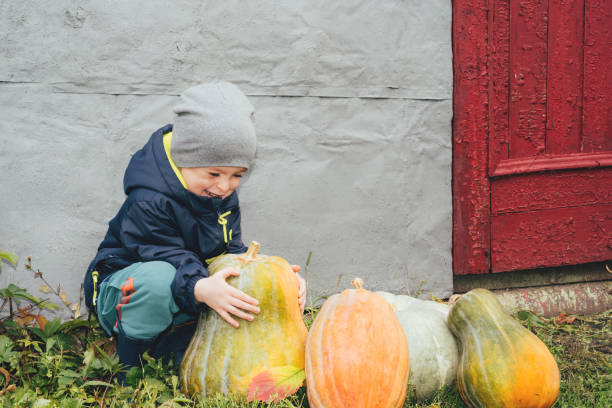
532	134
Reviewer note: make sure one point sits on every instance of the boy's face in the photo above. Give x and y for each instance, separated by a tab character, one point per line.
214	182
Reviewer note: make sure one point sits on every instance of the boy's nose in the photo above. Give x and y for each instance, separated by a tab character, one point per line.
223	185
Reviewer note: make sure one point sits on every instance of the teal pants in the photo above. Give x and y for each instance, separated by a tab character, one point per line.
137	302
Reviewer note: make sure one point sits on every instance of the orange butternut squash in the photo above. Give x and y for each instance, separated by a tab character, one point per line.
356	353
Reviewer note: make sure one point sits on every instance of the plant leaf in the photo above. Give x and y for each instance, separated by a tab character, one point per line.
27	296
15	292
62	295
530	318
96	383
42	403
276	383
76	308
45	289
41	321
88	356
52	326
51	341
70	325
8	257
25	319
38	332
45	304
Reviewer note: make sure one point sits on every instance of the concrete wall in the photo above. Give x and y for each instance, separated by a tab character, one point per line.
353	113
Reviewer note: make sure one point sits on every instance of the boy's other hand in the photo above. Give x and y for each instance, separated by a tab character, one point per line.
302	287
225	299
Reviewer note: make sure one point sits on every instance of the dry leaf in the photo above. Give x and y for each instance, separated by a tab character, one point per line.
24	320
45	289
41	321
76	307
564	318
62	295
7	378
276	383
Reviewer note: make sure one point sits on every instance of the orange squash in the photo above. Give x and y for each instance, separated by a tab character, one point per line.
356	353
267	352
502	364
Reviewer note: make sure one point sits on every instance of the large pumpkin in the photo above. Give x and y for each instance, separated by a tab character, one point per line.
432	346
222	359
502	364
356	353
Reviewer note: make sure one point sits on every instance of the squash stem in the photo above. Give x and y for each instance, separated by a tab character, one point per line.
251	253
357	283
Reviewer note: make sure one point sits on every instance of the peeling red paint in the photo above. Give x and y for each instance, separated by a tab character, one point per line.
470	183
597	127
564	114
528	67
499	64
552	237
543	191
532	159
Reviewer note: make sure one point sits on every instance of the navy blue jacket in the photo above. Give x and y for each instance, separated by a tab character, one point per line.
163	221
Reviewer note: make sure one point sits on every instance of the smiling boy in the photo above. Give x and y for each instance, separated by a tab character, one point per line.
181	211
213	182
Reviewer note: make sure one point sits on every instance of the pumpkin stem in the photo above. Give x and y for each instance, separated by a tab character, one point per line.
453	299
357	283
251	253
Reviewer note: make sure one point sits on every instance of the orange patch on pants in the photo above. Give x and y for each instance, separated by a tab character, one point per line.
127	290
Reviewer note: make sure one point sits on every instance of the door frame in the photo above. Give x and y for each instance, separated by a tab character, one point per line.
470	186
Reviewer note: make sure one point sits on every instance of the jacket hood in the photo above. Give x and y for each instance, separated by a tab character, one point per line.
149	168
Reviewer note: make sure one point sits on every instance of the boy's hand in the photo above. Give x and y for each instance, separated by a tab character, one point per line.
225	299
302	287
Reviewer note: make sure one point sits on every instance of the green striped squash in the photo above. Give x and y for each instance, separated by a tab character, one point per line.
502	364
227	360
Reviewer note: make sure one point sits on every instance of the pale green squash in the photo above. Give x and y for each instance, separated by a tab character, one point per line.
432	346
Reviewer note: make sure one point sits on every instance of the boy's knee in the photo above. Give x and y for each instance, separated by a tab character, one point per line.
157	277
147	306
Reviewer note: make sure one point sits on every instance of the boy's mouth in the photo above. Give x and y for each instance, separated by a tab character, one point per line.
211	194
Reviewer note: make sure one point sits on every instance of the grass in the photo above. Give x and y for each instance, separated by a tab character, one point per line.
72	365
583	350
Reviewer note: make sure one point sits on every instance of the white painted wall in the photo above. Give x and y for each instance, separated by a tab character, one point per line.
353	113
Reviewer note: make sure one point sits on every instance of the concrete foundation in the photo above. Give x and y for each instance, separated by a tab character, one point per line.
578	299
592	272
577	289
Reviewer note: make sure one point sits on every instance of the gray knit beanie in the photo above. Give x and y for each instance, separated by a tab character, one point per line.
213	126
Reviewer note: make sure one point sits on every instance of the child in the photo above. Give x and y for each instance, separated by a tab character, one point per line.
149	275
